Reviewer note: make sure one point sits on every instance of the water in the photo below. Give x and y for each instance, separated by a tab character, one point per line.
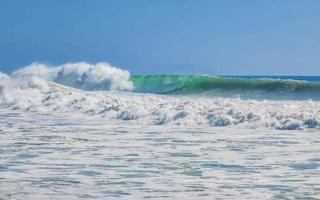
315	79
105	77
81	131
34	94
245	87
58	157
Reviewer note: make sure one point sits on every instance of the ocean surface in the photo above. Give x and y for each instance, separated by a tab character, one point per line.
82	131
247	87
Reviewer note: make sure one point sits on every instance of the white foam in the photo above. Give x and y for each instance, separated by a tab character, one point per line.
62	157
35	94
101	76
3	76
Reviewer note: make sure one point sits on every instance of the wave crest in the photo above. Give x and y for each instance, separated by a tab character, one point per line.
3	76
253	88
101	76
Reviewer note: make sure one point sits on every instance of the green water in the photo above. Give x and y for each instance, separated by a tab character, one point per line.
247	87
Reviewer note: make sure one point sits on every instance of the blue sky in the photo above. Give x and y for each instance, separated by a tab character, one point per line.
217	37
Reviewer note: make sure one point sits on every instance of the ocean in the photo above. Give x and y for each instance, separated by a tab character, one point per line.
246	87
82	131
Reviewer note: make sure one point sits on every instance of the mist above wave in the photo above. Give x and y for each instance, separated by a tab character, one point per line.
3	76
100	76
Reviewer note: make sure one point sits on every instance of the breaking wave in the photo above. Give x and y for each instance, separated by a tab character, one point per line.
256	88
61	90
101	76
37	95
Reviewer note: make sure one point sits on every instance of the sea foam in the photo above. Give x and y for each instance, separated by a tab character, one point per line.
101	76
3	76
30	93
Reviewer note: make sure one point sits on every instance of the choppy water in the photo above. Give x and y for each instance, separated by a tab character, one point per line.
198	137
48	157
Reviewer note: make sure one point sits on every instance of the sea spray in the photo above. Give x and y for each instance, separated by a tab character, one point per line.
100	76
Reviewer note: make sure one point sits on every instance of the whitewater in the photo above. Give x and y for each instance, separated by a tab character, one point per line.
79	131
93	90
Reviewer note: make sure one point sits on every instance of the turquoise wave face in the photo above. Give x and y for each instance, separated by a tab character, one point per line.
257	88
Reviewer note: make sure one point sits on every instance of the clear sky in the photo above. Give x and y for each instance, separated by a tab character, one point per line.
217	37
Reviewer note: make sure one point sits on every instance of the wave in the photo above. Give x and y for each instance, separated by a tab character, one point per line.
101	76
226	86
33	94
62	89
